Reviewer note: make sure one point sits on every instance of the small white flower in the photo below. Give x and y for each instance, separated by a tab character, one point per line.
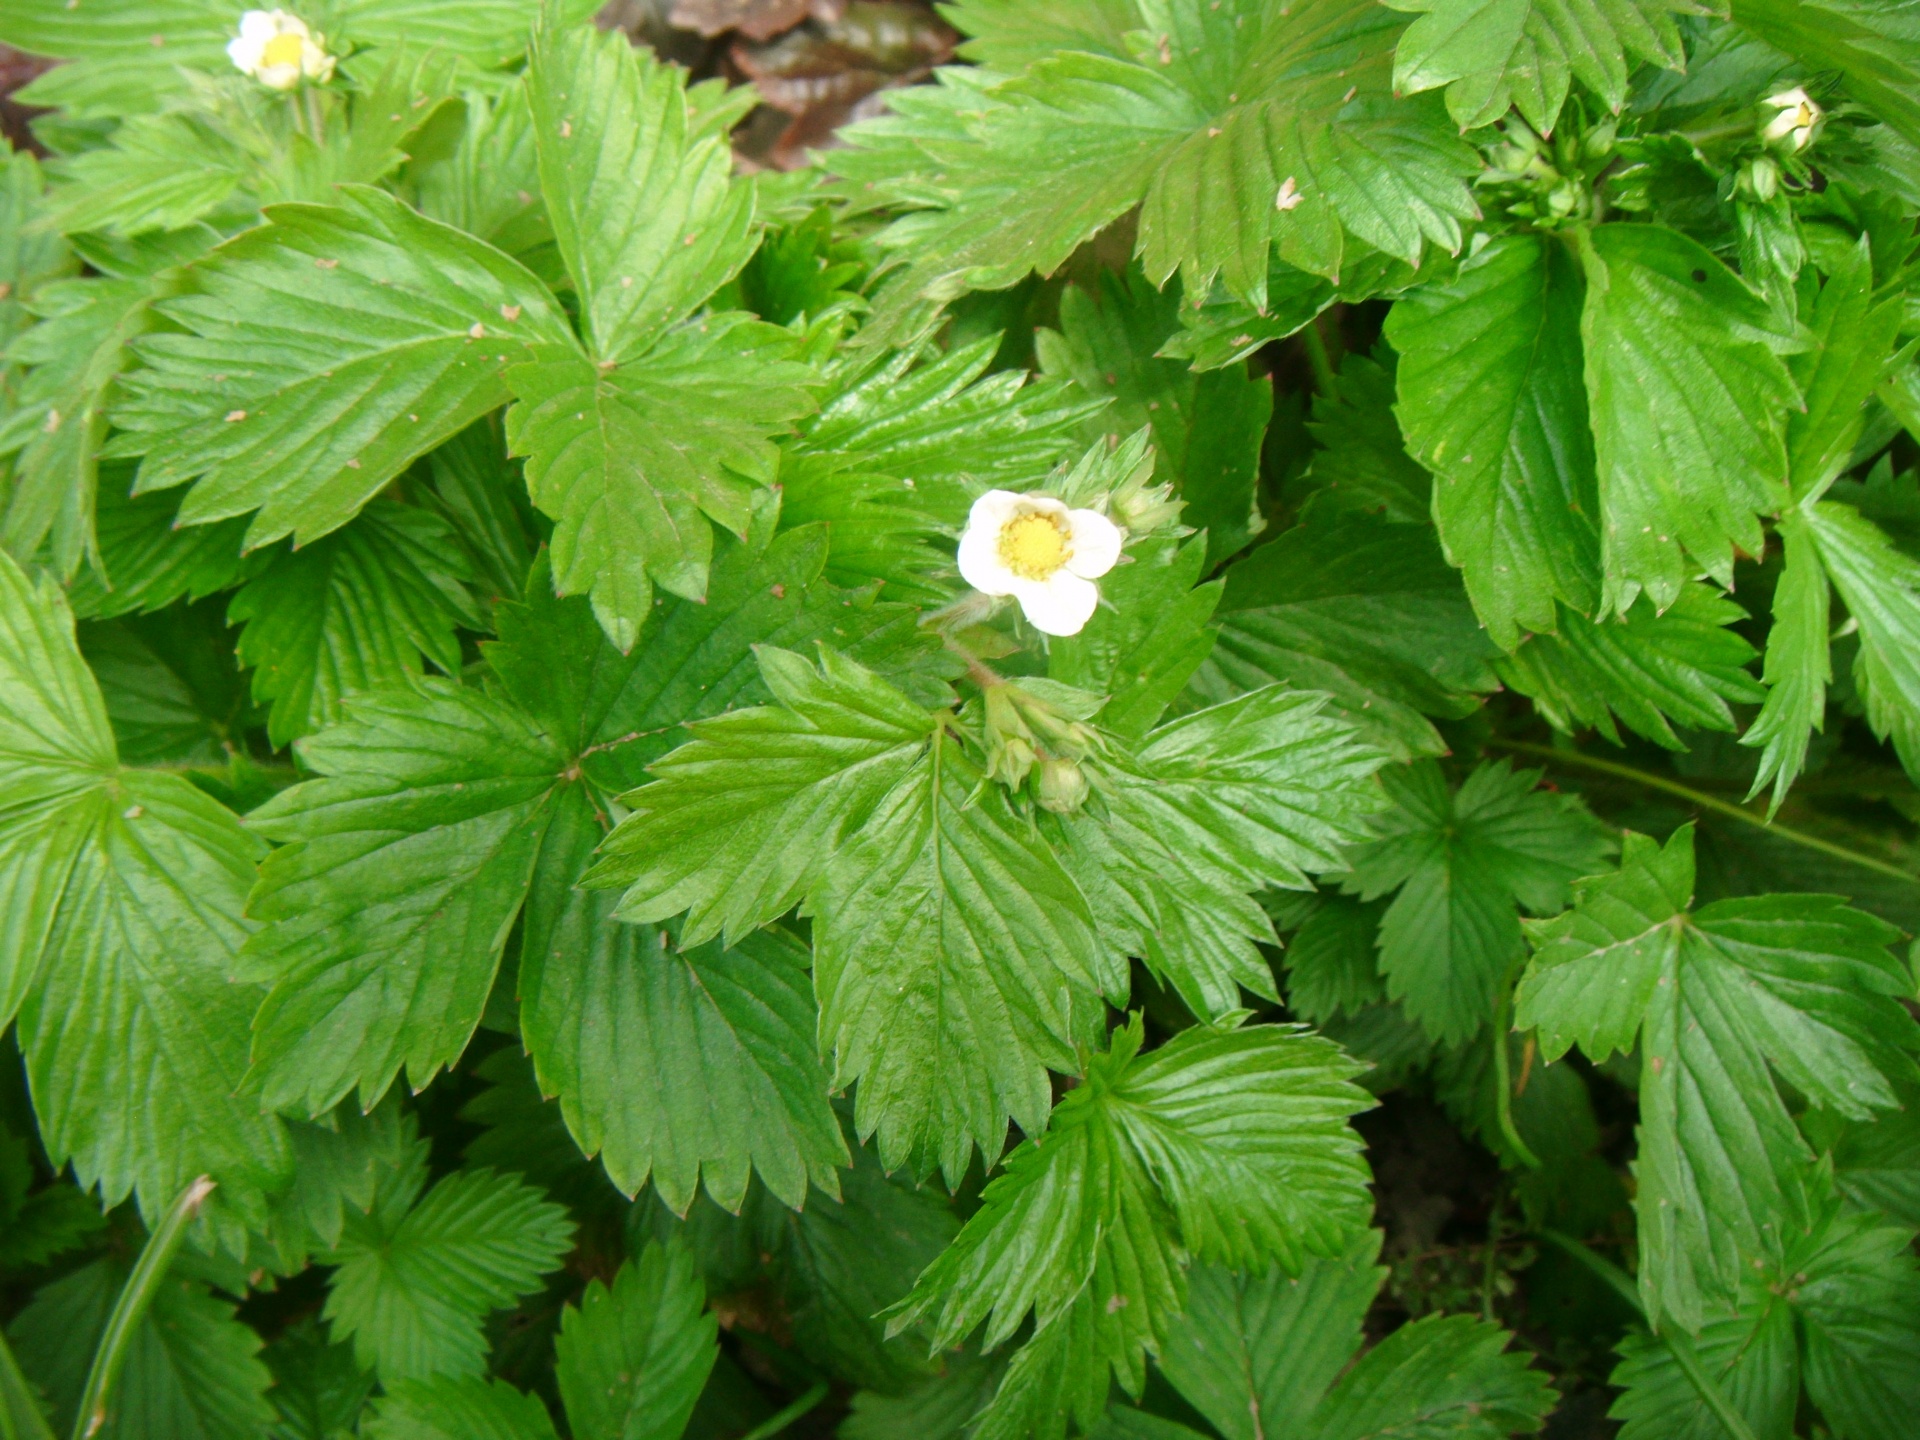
278	49
1046	556
1795	117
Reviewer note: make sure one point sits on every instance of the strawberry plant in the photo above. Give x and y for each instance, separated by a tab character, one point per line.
1215	735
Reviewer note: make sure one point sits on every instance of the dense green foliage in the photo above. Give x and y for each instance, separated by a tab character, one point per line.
501	774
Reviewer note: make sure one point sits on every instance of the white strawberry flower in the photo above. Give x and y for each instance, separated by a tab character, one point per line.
1795	115
278	50
1046	556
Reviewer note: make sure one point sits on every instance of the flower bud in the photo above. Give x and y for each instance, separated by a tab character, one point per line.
1062	786
1795	117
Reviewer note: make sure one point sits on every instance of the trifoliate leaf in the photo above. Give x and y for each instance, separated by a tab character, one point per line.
672	1063
1798	669
1363	609
1207	429
356	610
1362	462
1493	55
1721	999
121	894
1649	667
191	1369
1492	402
1234	129
317	355
1688	401
663	421
631	1360
417	1274
1881	587
1139	1165
1874	48
449	1407
1464	864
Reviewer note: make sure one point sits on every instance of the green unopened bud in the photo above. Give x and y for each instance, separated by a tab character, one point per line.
1062	786
1010	752
1760	178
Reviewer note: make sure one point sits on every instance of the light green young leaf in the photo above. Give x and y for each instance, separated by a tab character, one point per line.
1363	609
192	1368
631	1360
1881	587
1721	999
120	916
318	355
1493	55
1649	667
417	1274
1876	49
1688	401
1207	429
448	1407
1492	402
357	610
1464	864
1798	667
1229	1145
1234	128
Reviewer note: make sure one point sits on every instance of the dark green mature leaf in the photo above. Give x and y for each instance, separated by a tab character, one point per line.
1492	402
1874	47
1442	1375
938	1408
1798	667
1688	402
1854	332
120	900
631	1360
1237	128
1230	1145
450	1407
1332	962
1649	667
1362	462
1721	998
672	1063
418	1273
142	562
1493	55
1881	587
192	1370
663	421
318	355
318	1389
1749	1354
356	610
1207	429
1464	864
173	690
1363	609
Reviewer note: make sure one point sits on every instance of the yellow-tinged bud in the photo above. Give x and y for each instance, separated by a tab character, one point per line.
1062	786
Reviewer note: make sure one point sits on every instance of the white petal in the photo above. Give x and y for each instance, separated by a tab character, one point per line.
1096	543
244	53
1059	605
994	509
316	63
1788	99
278	77
980	563
258	26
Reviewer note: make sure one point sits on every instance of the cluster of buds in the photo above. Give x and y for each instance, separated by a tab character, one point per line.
1554	177
1035	729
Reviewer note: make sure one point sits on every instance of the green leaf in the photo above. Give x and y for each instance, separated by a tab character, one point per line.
1256	1354
1362	462
1798	668
672	1063
321	353
1444	1375
356	610
631	1360
936	1409
121	895
1721	999
1491	402
664	422
142	562
1750	1356
1331	960
192	1369
1463	865
417	1274
1202	124
1854	333
400	871
1648	667
1229	1145
1493	55
1207	429
1688	401
1881	587
1875	48
172	687
1363	609
318	1389
447	1407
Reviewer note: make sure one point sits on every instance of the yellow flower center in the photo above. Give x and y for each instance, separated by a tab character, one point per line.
1033	545
283	49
